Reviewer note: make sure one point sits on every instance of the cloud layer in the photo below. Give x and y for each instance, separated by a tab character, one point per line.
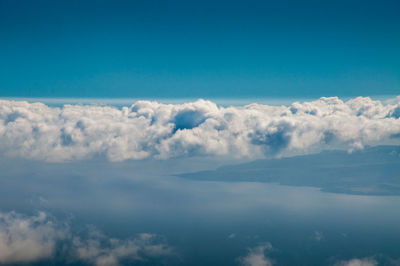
28	239
155	130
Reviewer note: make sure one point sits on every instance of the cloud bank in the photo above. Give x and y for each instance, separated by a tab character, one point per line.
155	130
28	239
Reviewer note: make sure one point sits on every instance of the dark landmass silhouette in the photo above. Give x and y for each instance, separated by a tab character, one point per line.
371	171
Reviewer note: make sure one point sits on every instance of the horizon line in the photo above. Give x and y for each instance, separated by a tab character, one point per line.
118	101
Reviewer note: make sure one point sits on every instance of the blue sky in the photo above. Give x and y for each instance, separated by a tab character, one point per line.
207	49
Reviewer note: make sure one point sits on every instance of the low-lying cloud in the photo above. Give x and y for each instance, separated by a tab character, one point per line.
29	239
155	130
256	256
102	251
358	262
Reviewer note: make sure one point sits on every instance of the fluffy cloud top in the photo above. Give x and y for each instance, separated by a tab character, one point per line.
154	130
28	239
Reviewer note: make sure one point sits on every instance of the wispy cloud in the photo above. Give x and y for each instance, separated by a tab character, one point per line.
256	256
318	236
28	239
155	130
231	236
99	250
358	262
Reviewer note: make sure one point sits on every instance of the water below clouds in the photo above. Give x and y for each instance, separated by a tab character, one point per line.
146	213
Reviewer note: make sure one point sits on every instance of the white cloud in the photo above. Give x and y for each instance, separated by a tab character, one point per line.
358	262
101	251
27	239
256	256
154	130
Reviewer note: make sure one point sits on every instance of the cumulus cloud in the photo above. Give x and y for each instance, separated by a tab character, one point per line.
256	256
358	262
28	239
155	130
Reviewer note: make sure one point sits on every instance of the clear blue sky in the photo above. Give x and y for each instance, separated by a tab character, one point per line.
199	48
